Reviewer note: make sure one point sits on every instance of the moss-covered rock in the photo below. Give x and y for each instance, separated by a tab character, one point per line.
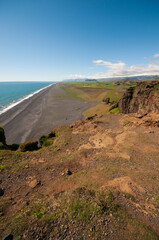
2	136
29	146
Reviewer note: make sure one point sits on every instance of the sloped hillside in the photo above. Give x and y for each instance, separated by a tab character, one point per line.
95	179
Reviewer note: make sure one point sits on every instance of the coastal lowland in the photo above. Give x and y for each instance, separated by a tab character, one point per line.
79	160
40	113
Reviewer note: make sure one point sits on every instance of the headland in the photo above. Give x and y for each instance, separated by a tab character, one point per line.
93	179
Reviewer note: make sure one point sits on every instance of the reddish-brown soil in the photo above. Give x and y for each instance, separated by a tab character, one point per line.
112	153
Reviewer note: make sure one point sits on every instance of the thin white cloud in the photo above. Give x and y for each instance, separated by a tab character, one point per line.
150	69
120	69
156	55
110	64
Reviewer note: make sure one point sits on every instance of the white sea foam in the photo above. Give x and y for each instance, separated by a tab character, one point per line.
14	103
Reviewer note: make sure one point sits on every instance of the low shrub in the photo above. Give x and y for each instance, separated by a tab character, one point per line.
13	147
47	143
52	134
29	146
2	136
106	202
2	146
42	139
106	100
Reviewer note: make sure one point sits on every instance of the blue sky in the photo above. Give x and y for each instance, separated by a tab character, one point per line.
50	40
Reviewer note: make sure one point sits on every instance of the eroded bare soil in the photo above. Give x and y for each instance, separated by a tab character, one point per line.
99	180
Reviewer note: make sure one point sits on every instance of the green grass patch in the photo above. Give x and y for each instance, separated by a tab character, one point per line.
85	203
47	143
96	91
99	109
103	84
115	110
2	167
156	201
42	211
81	210
73	94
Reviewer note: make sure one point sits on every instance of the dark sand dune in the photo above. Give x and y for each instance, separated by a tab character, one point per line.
41	113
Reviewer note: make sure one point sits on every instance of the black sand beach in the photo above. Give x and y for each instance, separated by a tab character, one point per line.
40	114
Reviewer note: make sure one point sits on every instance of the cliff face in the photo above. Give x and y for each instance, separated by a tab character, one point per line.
142	98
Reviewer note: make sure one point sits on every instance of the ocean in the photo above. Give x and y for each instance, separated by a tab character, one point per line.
11	93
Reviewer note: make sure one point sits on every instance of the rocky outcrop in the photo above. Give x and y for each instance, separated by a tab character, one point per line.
143	98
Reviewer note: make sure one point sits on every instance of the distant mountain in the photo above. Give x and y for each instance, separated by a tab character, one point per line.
145	77
74	80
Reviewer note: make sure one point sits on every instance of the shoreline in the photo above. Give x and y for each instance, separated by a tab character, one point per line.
39	114
20	100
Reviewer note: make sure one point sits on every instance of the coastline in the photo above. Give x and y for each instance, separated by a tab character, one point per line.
20	100
40	113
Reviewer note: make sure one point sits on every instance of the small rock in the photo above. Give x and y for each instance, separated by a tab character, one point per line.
34	183
1	192
8	237
34	160
41	160
68	172
30	178
91	117
52	170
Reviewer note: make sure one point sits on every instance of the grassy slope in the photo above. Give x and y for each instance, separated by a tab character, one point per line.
97	92
111	194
